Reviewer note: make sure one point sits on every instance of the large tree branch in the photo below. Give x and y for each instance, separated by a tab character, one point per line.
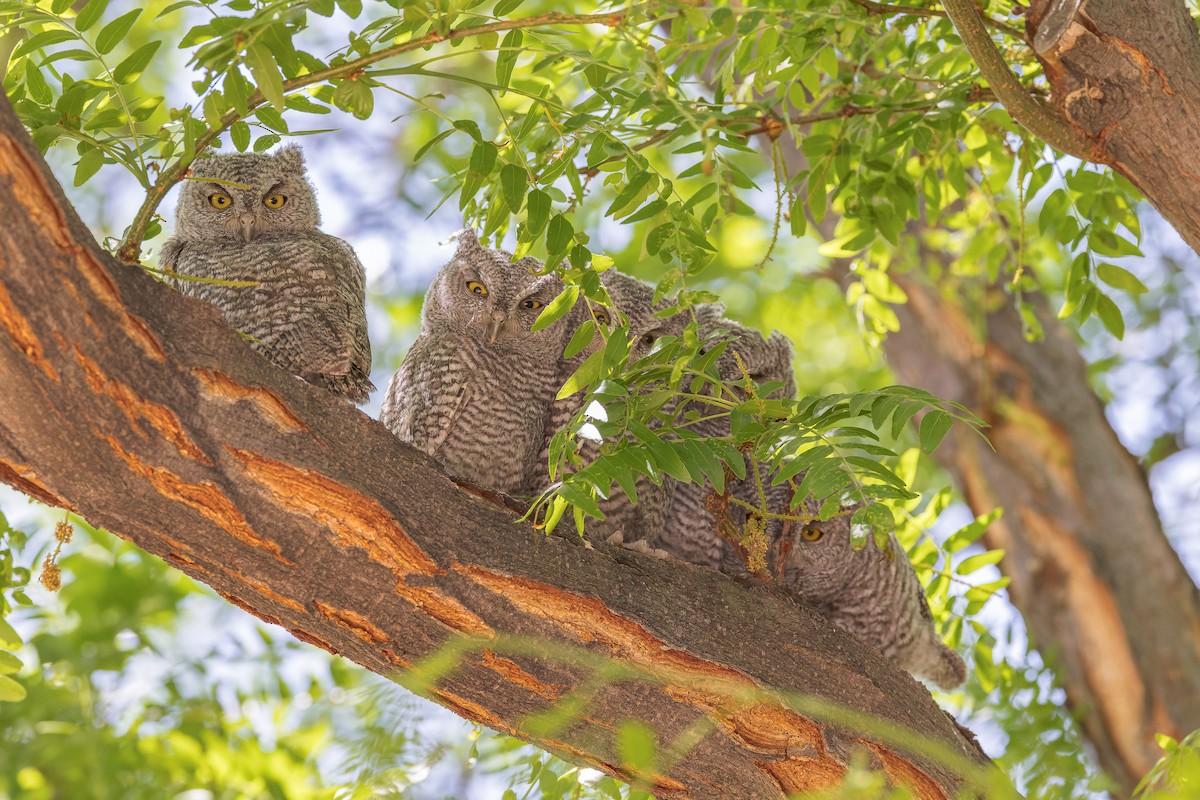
137	408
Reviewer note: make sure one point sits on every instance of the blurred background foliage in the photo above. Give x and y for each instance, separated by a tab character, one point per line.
136	682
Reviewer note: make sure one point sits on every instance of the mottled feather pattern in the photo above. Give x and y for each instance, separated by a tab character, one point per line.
475	390
872	594
634	300
305	309
691	531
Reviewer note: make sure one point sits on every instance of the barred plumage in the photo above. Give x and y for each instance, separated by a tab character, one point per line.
873	595
475	389
634	299
253	218
691	531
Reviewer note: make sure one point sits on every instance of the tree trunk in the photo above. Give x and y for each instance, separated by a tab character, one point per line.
138	409
1101	590
1127	76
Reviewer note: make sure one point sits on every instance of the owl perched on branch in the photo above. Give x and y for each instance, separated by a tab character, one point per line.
246	240
634	300
871	594
691	530
476	387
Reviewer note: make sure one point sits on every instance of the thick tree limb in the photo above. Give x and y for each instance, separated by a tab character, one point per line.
1100	588
1127	76
138	409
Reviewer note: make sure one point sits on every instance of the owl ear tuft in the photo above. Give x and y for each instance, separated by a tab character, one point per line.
468	242
291	156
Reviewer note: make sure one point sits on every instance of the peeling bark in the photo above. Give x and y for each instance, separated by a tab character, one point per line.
138	409
1127	76
1101	589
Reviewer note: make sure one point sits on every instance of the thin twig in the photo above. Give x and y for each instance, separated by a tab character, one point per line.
131	245
1028	111
874	9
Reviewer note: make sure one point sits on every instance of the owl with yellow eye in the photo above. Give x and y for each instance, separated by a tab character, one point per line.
871	593
476	387
246	240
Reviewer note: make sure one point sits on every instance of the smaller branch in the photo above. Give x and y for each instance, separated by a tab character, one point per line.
131	246
874	9
1030	113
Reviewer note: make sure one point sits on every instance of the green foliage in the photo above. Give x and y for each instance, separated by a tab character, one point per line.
547	131
13	580
1177	773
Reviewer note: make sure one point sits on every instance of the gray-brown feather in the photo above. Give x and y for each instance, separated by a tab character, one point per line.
305	307
871	594
691	531
477	406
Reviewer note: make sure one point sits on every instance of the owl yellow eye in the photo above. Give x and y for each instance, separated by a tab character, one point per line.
601	316
478	288
532	304
275	201
219	201
811	533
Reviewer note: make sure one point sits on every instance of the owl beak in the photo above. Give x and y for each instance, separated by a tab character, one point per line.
495	322
247	223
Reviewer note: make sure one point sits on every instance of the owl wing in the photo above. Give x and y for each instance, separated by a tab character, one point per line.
325	341
427	394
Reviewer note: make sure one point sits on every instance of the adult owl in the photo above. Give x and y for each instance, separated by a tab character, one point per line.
246	240
476	387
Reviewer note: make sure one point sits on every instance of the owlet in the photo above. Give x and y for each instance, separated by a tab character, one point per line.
634	299
872	595
691	530
246	240
475	389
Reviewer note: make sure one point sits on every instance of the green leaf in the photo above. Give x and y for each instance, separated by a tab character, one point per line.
89	164
90	14
506	59
1120	278
537	212
580	339
557	308
583	377
266	74
239	132
638	746
114	32
470	127
934	427
132	67
9	638
354	96
1110	315
877	519
352	7
483	158
513	183
974	563
560	235
9	663
40	41
426	147
10	690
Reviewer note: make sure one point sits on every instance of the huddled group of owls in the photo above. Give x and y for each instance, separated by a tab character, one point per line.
477	391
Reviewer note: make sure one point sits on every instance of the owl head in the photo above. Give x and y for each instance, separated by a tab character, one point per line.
815	558
768	359
484	294
635	299
247	195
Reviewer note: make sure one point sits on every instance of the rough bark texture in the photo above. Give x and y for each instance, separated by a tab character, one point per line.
1101	590
1127	75
137	408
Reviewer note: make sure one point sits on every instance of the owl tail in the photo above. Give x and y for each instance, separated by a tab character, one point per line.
938	663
